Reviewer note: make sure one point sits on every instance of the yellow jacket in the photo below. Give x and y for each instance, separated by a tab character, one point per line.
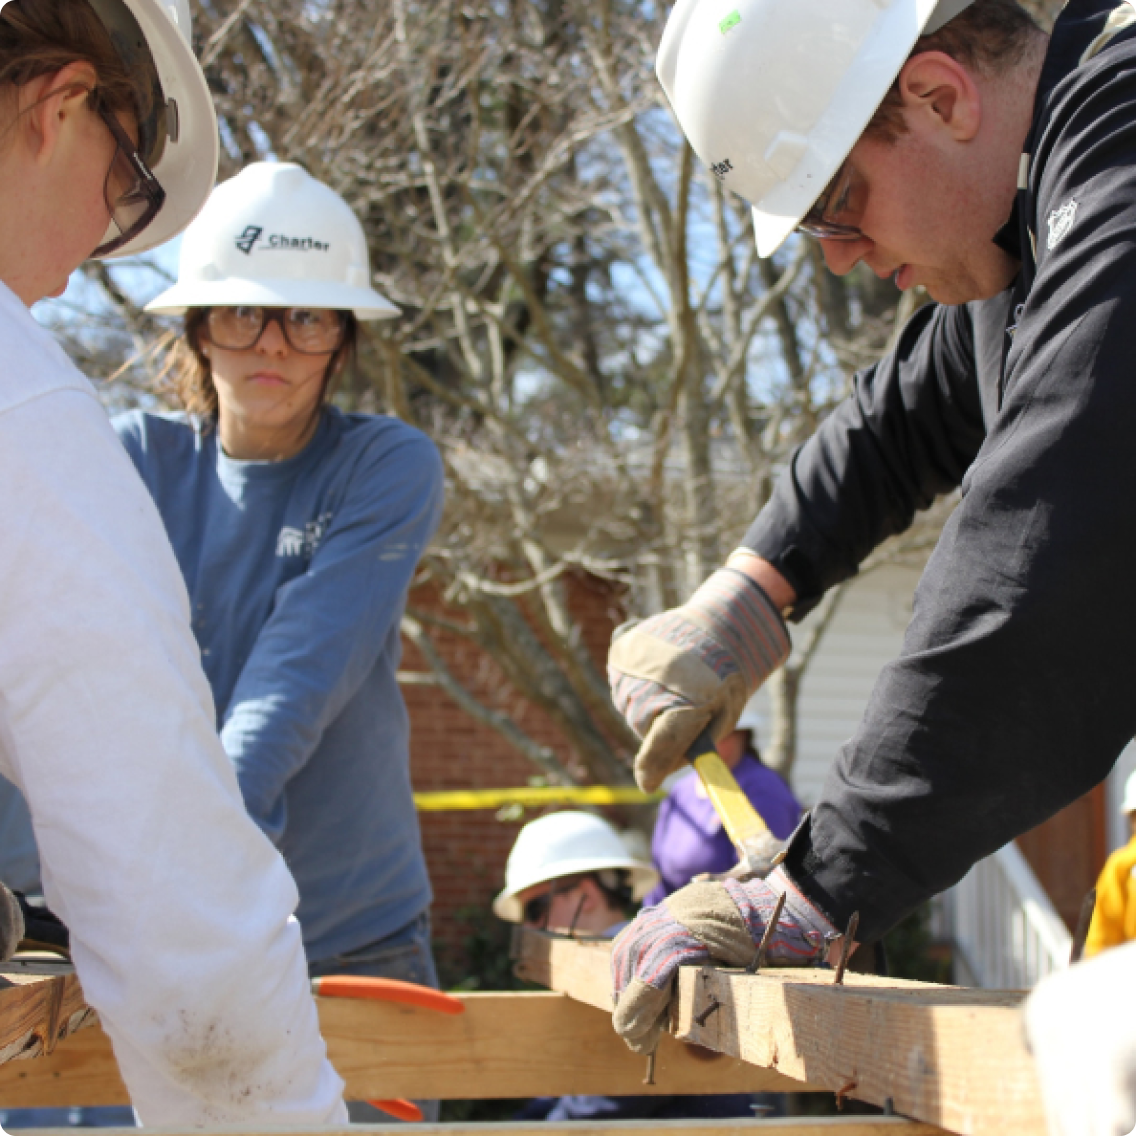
1114	920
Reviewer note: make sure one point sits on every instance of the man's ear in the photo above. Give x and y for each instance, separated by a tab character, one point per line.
939	93
50	102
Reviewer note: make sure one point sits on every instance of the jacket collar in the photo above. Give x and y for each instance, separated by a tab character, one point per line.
1078	25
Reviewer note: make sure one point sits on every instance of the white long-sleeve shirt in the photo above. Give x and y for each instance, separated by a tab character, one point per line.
180	910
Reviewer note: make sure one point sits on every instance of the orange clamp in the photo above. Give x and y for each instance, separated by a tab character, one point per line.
387	990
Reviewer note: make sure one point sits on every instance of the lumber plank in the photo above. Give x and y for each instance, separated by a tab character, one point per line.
945	1055
505	1045
813	1126
40	1004
580	968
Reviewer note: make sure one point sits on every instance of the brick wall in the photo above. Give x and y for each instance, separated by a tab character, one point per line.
466	851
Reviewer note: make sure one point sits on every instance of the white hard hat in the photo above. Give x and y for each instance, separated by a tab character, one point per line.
184	158
274	236
566	844
1128	805
773	94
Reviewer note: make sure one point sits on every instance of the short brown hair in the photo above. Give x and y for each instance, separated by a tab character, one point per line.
991	37
188	372
40	37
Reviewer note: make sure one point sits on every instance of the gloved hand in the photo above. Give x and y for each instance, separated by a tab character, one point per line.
720	921
700	663
1083	1036
11	924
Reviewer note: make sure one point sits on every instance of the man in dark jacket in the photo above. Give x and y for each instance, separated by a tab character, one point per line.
997	170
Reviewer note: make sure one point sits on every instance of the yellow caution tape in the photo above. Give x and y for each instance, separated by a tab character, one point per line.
459	799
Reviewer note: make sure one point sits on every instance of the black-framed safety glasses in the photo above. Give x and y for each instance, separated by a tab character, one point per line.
310	331
538	909
830	218
133	195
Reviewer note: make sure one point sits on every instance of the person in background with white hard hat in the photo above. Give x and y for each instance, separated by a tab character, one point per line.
689	839
956	147
180	911
572	872
1114	917
298	529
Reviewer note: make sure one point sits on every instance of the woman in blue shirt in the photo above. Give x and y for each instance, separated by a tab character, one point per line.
298	529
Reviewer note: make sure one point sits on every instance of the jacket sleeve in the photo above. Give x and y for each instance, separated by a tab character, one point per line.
329	626
1012	695
179	908
1107	927
907	433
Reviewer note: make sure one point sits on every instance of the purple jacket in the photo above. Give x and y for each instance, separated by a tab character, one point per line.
689	838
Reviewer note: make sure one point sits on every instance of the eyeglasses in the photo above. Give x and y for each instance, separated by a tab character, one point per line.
132	193
310	331
537	908
824	220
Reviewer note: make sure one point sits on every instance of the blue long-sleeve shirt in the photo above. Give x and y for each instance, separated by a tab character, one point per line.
297	572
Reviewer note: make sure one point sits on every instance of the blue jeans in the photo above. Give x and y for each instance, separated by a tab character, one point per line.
404	955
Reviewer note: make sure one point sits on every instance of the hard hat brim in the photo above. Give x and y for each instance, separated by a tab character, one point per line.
643	877
365	303
187	168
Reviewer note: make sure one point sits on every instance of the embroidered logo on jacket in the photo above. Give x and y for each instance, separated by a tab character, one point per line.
292	541
1060	222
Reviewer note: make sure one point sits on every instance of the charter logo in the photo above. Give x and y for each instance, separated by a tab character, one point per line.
249	238
278	241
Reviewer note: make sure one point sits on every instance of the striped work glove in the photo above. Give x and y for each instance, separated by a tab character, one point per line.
702	921
675	672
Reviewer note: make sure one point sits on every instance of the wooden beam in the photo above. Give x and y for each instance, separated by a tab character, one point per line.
812	1126
504	1045
942	1054
40	1004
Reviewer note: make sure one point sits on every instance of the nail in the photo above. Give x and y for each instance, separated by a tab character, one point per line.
650	1078
714	1005
766	935
846	948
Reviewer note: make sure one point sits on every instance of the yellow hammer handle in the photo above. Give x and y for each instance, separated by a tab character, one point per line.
740	819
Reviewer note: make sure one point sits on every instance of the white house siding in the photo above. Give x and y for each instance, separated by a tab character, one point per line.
866	632
1118	832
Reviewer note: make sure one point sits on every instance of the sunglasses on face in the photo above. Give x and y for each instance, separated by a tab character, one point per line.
132	193
536	910
833	213
310	331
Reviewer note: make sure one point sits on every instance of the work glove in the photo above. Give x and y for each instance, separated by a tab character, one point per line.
723	922
11	924
1083	1035
675	672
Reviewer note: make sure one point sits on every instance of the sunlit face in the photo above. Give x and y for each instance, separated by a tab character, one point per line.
269	386
922	221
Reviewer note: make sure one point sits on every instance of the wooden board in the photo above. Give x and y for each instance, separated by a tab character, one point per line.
580	968
814	1126
40	1004
504	1045
944	1055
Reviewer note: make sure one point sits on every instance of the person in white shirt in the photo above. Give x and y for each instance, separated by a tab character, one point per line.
180	910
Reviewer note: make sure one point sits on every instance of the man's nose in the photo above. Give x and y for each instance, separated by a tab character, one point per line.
842	256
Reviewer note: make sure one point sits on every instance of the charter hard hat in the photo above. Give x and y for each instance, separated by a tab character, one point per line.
1128	805
179	137
274	236
566	844
773	94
